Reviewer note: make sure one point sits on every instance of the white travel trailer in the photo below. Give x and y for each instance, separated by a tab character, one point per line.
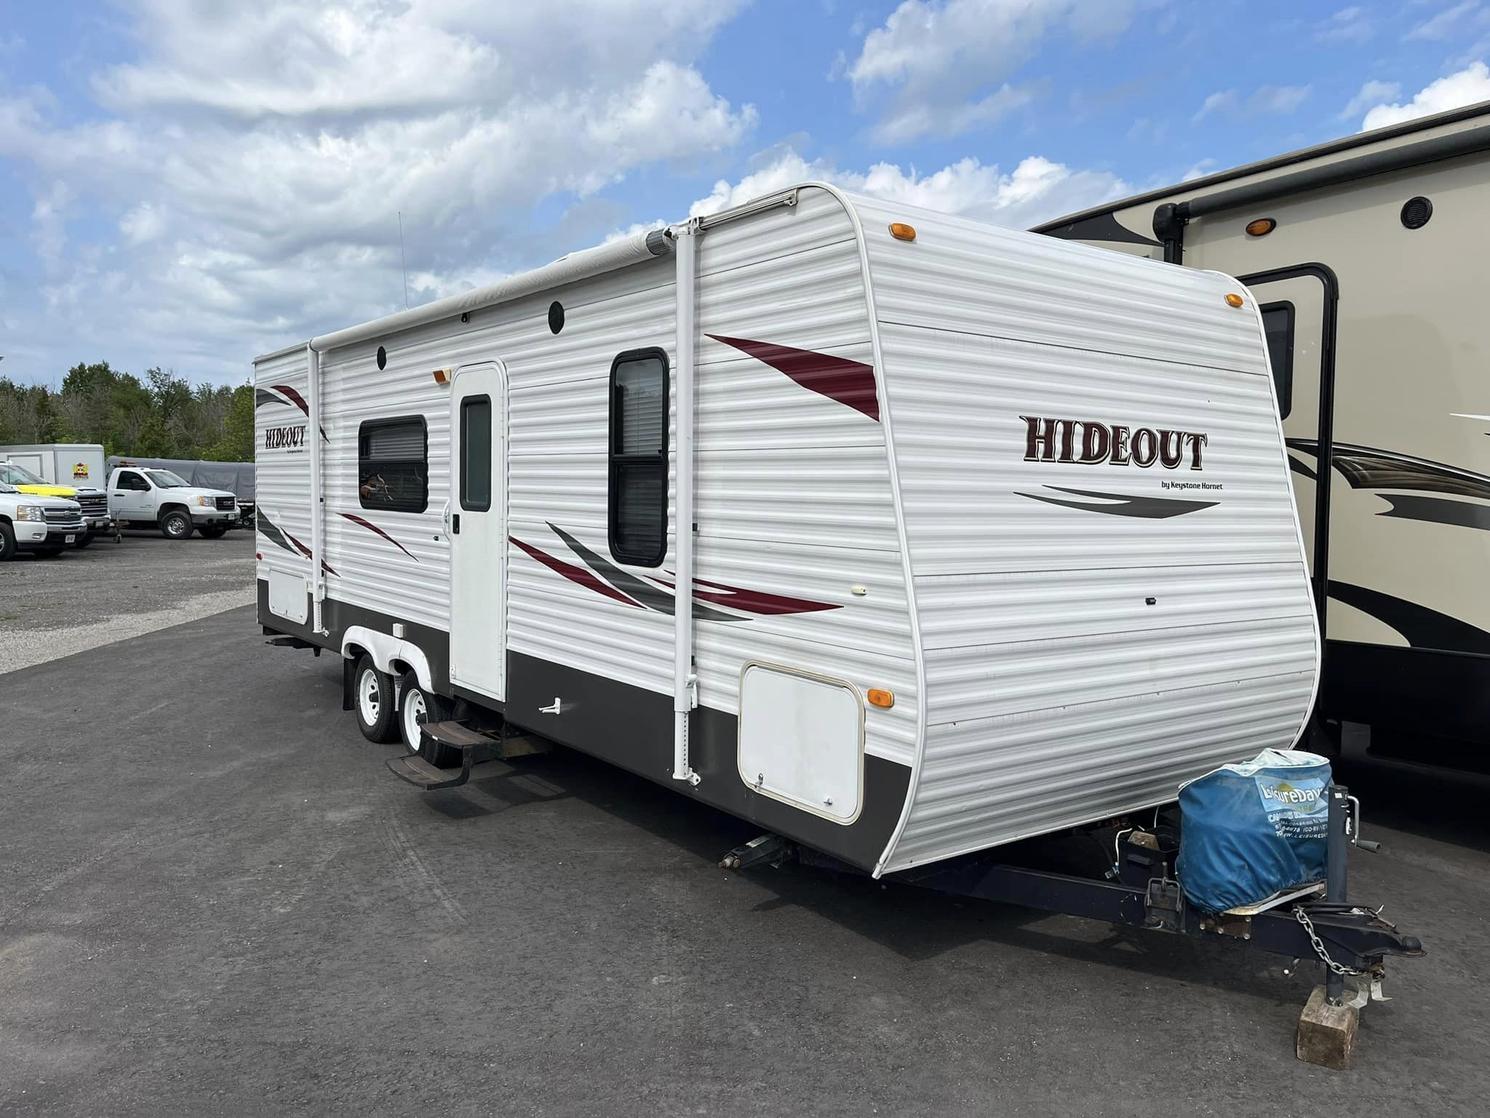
1367	256
991	535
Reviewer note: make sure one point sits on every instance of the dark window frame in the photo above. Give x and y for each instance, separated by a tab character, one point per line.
618	464
465	458
1282	380
368	425
144	487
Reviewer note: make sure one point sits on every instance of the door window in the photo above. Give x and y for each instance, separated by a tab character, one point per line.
475	454
132	482
1277	328
638	457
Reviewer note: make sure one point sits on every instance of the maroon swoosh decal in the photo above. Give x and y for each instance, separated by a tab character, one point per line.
574	574
751	601
848	382
293	396
300	547
371	527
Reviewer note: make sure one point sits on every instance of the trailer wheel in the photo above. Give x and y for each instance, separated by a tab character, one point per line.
372	699
84	540
175	525
7	542
417	706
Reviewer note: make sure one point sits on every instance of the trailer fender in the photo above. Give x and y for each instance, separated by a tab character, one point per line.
388	651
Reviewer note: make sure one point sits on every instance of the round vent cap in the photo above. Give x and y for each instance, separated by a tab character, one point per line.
1416	212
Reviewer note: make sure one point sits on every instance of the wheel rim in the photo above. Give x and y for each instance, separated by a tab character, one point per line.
416	714
369	697
173	526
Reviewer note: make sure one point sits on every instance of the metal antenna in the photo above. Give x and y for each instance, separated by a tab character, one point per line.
402	262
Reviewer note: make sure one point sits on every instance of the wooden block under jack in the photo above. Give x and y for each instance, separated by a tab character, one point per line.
1327	1033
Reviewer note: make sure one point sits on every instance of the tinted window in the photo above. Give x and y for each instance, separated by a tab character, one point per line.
131	481
475	454
1277	327
638	457
393	464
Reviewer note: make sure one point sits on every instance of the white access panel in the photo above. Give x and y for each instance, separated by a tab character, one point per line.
802	740
287	596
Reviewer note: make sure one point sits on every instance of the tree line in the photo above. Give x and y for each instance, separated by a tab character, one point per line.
160	416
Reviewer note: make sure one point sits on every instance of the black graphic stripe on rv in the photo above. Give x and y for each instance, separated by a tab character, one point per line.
284	394
645	593
1437	510
1419	626
281	538
1122	504
1369	467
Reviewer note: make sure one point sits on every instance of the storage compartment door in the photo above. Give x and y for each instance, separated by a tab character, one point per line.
288	596
802	740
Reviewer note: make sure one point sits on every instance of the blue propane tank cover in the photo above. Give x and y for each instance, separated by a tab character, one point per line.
1254	829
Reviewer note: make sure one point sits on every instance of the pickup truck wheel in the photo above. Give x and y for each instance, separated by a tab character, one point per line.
175	525
7	542
417	706
84	540
212	531
372	699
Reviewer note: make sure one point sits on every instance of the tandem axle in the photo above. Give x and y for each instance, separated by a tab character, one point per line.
1141	890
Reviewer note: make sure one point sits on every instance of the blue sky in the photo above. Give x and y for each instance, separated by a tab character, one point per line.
188	184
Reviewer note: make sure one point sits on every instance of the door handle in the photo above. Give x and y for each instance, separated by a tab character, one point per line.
455	524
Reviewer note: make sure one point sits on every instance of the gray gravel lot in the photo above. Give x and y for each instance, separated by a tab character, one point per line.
108	592
217	900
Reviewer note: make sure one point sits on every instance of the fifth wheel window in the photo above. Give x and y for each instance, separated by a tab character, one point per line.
393	464
638	457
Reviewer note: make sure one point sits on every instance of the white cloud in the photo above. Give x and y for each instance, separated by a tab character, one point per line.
936	59
1371	93
1449	22
1465	87
1267	99
1348	25
253	160
1035	190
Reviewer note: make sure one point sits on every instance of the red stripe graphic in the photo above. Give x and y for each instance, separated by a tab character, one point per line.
293	396
848	382
574	574
371	527
751	601
300	547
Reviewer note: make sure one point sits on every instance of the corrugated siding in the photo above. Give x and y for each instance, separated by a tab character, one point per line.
793	490
281	475
1080	664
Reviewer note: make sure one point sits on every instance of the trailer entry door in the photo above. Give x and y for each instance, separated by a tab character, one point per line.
1298	317
478	529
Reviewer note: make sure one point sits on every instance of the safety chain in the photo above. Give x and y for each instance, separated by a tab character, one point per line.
1318	944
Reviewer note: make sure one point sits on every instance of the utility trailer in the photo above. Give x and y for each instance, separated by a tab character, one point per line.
1367	257
988	536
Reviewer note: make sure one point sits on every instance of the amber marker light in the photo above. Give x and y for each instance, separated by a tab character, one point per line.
1233	299
882	699
442	376
902	232
1261	226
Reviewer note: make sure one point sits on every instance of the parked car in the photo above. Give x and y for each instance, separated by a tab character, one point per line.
141	496
94	503
44	525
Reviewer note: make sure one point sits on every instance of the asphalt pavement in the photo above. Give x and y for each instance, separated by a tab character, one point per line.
110	591
215	899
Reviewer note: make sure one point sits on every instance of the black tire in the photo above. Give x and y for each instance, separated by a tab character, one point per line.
212	531
415	706
372	702
7	542
84	540
176	525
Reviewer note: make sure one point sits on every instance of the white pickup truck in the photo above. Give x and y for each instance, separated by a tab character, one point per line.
147	495
44	525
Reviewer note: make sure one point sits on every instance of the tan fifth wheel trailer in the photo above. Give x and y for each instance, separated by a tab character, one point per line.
1368	257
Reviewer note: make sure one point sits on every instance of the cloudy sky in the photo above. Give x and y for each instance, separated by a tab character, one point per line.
190	182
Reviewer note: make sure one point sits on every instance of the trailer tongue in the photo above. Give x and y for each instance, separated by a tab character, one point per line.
1350	941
